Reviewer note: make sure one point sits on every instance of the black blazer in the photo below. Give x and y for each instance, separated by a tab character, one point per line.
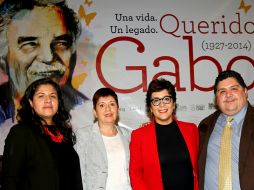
246	149
29	162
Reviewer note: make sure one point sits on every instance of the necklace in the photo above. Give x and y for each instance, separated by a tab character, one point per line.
56	138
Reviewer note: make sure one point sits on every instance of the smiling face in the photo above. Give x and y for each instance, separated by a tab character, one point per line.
106	111
45	102
230	96
39	47
163	113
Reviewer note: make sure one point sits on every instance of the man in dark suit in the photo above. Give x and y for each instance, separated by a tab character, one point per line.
231	99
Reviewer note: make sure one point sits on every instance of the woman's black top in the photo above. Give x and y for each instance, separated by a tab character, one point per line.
32	161
175	163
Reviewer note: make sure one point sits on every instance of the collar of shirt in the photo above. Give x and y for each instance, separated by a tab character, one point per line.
237	122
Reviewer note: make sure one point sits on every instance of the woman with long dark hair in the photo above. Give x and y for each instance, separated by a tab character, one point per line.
39	151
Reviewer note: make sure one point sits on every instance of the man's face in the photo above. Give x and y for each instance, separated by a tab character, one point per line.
230	96
39	47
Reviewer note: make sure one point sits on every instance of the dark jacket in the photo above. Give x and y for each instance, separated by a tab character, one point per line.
31	161
246	149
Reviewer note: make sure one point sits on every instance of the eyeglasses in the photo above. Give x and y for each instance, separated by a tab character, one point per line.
165	100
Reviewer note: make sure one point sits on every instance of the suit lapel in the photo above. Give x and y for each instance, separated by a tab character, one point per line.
152	151
205	131
99	143
246	139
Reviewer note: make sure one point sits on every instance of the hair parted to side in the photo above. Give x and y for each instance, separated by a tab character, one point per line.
104	92
158	85
227	74
26	115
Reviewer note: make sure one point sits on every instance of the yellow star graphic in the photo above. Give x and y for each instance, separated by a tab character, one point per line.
84	62
245	7
87	2
86	17
78	80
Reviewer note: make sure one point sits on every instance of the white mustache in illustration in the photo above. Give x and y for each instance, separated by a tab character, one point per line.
40	70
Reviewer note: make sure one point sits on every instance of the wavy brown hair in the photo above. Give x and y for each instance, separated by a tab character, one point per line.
27	116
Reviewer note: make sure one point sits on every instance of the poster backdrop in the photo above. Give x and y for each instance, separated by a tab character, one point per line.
126	44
